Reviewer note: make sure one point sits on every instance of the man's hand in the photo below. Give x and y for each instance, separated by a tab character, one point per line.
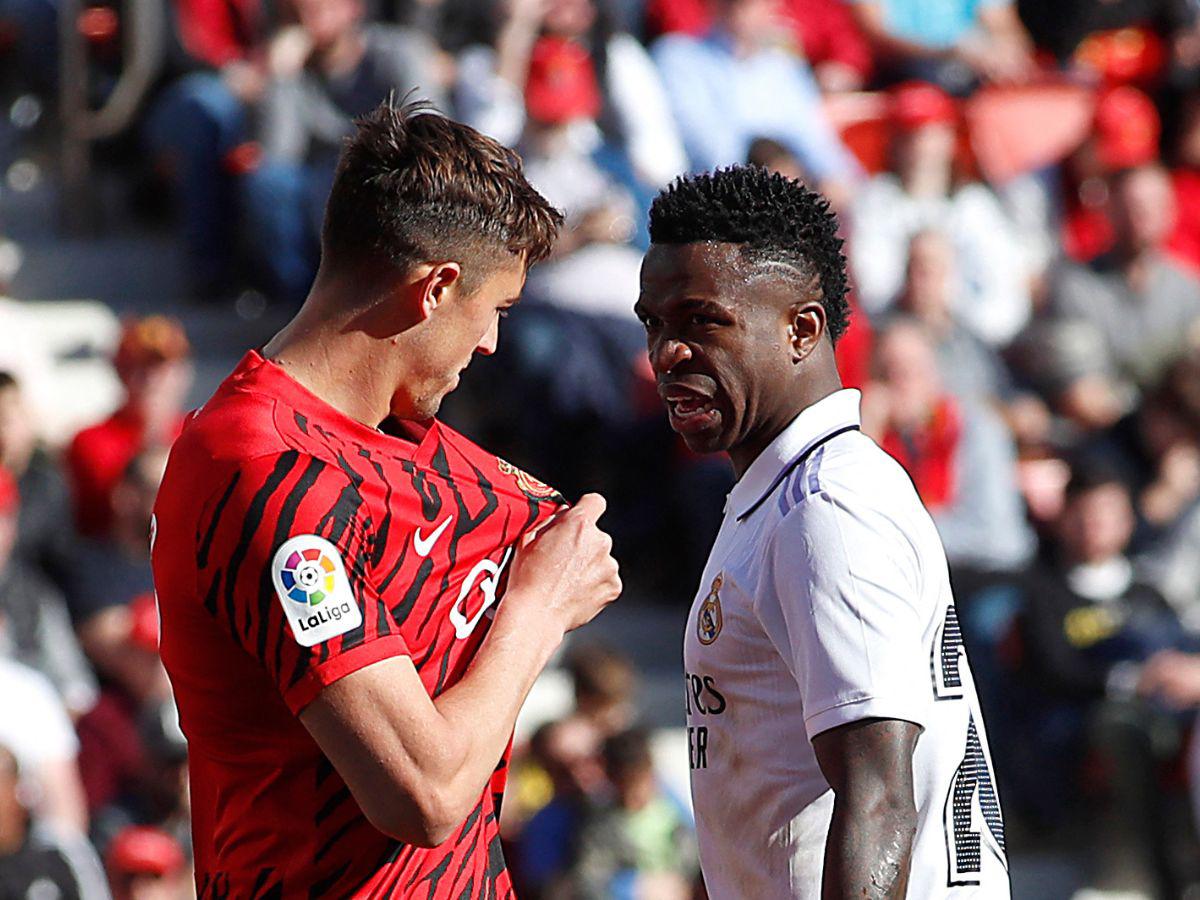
566	571
868	853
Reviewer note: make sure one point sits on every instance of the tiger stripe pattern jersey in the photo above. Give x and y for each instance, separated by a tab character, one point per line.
292	547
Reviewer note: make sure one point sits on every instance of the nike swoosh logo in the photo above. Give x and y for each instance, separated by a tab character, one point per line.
424	546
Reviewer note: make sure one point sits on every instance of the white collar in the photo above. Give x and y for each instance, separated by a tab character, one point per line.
815	424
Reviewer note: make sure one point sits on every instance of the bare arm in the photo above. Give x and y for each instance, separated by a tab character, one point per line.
63	801
868	853
415	765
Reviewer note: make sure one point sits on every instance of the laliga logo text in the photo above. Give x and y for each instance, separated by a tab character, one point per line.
323	615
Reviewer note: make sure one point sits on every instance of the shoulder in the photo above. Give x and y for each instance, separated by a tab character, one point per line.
240	451
849	504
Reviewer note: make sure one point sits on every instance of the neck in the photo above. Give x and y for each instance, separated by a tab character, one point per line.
338	364
814	387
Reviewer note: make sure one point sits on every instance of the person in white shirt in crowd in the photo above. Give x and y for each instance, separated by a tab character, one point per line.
37	860
743	81
829	757
630	129
993	293
34	725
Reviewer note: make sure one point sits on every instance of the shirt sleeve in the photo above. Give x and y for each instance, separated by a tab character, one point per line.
842	609
285	563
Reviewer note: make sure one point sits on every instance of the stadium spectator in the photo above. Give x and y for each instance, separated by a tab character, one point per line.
956	44
101	606
735	84
959	454
326	70
35	727
926	191
1088	626
153	361
146	864
1157	448
1141	303
1125	134
568	753
36	861
605	685
970	369
565	62
196	129
45	531
634	840
823	29
37	627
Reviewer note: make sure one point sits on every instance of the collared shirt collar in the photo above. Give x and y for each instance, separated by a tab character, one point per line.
816	423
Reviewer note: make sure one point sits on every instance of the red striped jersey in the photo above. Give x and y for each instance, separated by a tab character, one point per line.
292	546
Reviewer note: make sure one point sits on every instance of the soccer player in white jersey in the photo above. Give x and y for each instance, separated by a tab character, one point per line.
837	749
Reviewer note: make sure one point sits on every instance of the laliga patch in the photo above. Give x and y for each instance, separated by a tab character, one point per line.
311	583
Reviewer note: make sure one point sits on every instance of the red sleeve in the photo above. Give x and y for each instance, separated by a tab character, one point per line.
285	564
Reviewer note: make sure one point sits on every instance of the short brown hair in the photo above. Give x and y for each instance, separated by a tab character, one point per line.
413	185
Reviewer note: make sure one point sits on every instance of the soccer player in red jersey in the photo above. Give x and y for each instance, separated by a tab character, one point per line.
330	559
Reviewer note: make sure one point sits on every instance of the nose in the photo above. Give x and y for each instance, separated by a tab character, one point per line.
668	353
487	344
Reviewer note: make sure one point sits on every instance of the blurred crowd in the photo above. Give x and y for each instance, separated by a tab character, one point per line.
1019	188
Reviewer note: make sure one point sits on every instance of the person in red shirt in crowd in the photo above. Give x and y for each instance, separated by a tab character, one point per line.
824	30
356	599
1125	134
1184	243
958	452
153	361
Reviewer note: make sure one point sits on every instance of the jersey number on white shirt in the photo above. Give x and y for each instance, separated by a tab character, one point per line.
972	815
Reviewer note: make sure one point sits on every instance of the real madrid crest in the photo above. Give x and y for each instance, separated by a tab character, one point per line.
708	619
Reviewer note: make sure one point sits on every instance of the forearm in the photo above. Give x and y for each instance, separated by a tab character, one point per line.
868	852
479	712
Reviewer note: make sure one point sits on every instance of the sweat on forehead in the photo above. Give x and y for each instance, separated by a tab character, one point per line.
780	222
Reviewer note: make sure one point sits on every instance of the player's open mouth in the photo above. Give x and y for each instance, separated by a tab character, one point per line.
690	412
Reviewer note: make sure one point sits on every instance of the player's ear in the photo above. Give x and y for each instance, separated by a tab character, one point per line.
806	327
436	286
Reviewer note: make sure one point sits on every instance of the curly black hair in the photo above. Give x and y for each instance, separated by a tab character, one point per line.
776	218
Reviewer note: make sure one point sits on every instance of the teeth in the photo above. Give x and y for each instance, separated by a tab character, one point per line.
689	407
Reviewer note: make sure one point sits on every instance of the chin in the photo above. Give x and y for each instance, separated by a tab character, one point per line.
706	442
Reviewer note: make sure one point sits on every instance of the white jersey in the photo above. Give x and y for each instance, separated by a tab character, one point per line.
826	600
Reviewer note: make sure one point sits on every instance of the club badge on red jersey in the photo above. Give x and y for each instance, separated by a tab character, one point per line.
530	486
311	583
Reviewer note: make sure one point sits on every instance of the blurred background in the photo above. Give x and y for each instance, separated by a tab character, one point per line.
1019	189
